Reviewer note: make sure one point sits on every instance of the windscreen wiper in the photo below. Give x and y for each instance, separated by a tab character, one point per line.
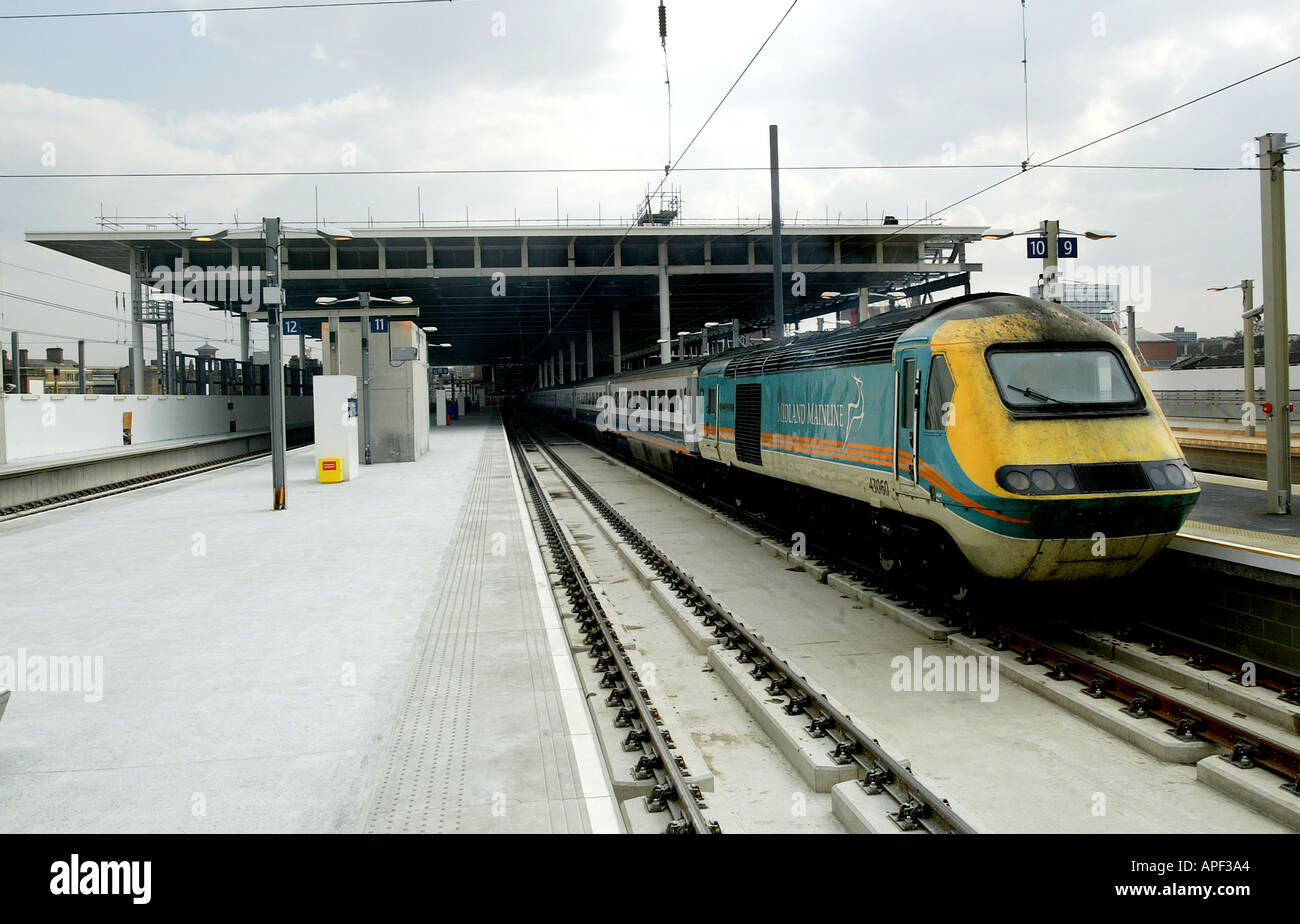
1030	393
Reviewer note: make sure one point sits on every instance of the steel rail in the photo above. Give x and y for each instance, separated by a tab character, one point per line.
1203	657
1245	747
119	487
1190	723
676	790
918	807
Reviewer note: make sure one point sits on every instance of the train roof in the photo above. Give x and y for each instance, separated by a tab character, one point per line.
869	341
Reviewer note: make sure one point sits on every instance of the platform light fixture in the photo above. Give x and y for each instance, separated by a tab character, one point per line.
1051	230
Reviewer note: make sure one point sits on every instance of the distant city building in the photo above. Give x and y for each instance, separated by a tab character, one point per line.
58	375
1184	338
1095	300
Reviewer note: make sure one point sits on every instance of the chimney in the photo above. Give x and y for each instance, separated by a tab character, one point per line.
22	358
54	354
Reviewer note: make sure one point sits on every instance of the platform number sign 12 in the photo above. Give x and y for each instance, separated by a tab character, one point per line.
378	324
292	327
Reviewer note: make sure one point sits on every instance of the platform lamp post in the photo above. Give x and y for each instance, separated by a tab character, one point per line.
272	296
1248	314
1049	247
1277	341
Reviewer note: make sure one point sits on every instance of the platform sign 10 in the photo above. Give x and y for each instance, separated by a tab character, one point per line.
378	324
292	327
1036	247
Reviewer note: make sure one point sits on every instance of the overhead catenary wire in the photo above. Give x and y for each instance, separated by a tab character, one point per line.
536	171
1024	63
1088	144
667	172
89	14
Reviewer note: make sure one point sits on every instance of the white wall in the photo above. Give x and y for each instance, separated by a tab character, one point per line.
1209	379
48	424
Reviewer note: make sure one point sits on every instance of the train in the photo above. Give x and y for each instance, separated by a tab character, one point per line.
993	435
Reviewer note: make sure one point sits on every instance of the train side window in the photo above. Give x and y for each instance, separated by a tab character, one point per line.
939	393
711	405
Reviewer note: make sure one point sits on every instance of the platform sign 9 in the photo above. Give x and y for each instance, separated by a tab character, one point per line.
292	327
1036	247
1067	246
378	324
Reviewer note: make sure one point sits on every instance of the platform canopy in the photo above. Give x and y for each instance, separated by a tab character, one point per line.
519	294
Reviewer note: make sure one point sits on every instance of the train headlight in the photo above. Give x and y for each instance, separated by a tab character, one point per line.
1187	470
1038	479
1175	473
1016	480
1042	480
1157	476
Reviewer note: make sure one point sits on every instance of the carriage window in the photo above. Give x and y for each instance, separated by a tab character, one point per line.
711	401
939	393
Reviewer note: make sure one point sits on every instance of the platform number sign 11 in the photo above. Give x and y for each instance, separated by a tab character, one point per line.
292	327
378	324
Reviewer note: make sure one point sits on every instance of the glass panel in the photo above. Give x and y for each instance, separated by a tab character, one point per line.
1043	379
939	394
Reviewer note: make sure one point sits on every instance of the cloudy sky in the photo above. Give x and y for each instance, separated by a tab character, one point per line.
532	84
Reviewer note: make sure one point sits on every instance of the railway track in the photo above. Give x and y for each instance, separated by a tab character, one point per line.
917	807
1186	721
673	791
129	484
120	487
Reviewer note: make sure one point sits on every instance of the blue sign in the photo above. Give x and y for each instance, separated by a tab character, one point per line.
378	324
1036	247
1067	246
292	327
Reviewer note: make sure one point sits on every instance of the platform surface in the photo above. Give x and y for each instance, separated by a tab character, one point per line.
359	661
1238	506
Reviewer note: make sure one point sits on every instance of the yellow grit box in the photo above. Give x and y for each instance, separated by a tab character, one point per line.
329	471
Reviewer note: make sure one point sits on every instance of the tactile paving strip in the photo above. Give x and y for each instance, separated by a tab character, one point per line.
478	744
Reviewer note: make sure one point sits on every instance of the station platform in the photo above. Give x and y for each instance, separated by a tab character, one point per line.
384	655
1231	523
1214	446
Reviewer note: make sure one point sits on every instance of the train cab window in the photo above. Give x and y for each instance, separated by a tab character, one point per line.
938	394
1090	379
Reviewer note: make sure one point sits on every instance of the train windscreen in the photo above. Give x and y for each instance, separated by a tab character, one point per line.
1045	380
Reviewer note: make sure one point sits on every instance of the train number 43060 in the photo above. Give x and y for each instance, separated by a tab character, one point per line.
878	486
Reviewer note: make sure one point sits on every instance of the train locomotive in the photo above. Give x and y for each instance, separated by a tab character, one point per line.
1013	434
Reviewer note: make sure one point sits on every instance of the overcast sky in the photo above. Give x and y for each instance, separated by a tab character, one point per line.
580	84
